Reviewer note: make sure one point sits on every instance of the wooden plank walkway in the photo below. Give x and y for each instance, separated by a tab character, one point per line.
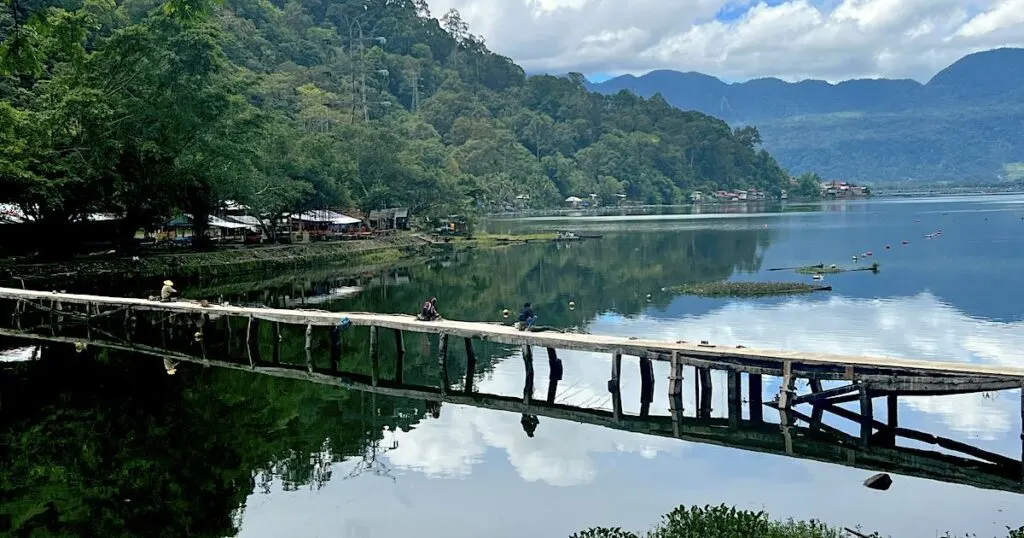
883	371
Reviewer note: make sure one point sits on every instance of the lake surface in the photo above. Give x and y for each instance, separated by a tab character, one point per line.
115	443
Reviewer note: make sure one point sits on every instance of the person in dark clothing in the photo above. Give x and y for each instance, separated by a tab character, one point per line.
429	311
526	317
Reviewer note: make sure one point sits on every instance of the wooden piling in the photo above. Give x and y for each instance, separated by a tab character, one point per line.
1022	433
276	357
646	386
442	361
554	374
735	401
706	392
788	390
754	391
893	411
866	416
374	357
470	365
399	356
614	386
675	376
528	382
309	337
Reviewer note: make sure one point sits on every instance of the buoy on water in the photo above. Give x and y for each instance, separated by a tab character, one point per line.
572	305
887	247
505	313
905	242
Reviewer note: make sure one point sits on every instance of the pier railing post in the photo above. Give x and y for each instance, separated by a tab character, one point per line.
528	382
706	391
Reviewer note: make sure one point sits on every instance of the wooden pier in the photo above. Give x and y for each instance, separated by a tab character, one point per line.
815	441
863	378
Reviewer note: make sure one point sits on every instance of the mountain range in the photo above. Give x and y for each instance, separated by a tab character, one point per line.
966	124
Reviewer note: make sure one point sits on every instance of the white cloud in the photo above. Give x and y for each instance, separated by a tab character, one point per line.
790	39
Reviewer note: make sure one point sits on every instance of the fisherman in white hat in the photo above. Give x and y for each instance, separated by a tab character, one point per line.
168	293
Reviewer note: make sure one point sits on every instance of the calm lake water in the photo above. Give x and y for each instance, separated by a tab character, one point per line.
117	444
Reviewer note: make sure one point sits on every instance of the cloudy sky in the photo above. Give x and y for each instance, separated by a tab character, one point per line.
741	39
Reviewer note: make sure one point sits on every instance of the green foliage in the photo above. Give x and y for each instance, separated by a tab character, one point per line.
146	109
808	185
721	522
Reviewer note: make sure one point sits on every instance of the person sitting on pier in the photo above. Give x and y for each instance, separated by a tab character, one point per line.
526	318
168	293
429	311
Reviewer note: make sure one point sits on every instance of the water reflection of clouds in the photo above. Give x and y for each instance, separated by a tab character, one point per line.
563	453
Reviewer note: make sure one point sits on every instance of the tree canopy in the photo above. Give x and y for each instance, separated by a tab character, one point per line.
145	109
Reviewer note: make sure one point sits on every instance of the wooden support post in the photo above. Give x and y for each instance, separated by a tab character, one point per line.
706	391
893	408
277	343
614	386
1022	433
866	416
788	390
754	391
646	386
735	401
399	357
88	321
470	365
554	374
675	405
374	357
442	362
675	376
309	336
528	382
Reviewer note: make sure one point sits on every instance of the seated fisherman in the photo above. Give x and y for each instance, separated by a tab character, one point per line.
526	317
429	311
168	293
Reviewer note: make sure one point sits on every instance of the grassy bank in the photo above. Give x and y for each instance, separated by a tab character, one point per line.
228	263
215	264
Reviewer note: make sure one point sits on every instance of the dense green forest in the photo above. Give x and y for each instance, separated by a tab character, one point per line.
962	126
144	109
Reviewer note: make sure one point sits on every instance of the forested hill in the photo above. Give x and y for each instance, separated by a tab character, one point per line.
963	124
144	109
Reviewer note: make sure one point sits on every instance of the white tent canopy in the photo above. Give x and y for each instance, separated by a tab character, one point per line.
325	215
573	199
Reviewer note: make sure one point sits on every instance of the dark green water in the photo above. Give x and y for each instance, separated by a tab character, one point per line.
104	443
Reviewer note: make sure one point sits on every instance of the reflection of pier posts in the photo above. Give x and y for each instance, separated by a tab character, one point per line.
442	361
470	365
554	374
528	383
646	386
817	412
754	391
1022	433
614	386
893	409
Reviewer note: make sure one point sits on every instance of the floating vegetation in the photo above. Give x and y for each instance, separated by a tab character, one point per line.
822	269
745	289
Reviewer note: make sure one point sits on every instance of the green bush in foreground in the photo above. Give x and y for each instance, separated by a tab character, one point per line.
726	522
